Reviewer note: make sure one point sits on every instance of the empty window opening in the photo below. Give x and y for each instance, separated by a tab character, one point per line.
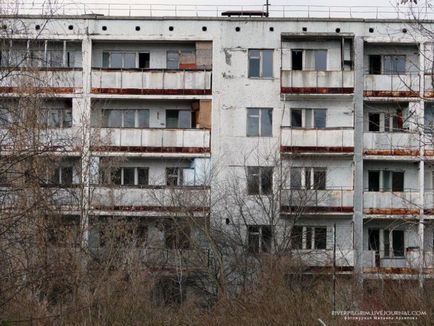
387	181
178	119
144	60
259	122
308	178
63	176
297	59
309	237
177	235
375	64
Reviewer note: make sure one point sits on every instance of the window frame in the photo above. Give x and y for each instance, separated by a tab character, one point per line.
112	174
258	242
106	118
308	238
262	63
392	174
305	112
311	172
255	180
260	129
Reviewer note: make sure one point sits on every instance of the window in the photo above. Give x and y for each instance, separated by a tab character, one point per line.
297	59
308	118
119	60
172	59
5	117
259	122
260	63
386	181
144	60
308	178
393	242
125	118
387	64
429	118
309	237
386	121
169	291
62	175
174	176
128	176
259	238
259	180
176	235
56	118
178	119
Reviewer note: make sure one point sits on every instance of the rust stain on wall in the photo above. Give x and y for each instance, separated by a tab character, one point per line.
391	211
391	93
392	152
150	91
317	90
316	209
148	149
315	149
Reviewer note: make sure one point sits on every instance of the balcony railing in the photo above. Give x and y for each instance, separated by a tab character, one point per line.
338	199
151	198
404	202
391	143
151	81
392	85
158	139
324	258
323	82
409	260
55	80
317	140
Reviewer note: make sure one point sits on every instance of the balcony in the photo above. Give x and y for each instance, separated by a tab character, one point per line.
185	199
391	203
324	258
45	80
409	263
151	81
158	140
318	141
317	82
405	85
334	200
391	143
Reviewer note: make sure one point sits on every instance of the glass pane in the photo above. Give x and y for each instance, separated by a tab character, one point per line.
128	176
129	60
296	178
252	122
129	118
143	117
172	59
116	60
386	122
143	176
105	59
296	118
399	64
55	58
266	122
320	59
308	121
114	118
67	118
387	181
319	179
254	67
172	119
320	118
267	63
308	178
184	119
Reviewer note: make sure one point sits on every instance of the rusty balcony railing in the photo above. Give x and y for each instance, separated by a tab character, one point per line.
406	84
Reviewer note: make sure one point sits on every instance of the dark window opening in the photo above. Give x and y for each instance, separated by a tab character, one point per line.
177	235
374	181
259	238
375	64
297	60
398	181
398	243
320	238
297	237
296	118
144	59
374	122
259	180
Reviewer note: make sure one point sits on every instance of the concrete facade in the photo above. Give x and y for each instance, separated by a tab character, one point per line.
382	225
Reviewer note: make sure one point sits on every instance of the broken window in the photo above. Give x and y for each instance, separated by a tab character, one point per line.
297	59
62	175
386	181
429	118
259	122
174	177
308	118
260	63
393	243
309	237
308	178
259	180
177	235
56	118
259	238
386	121
178	119
144	60
375	64
374	122
128	176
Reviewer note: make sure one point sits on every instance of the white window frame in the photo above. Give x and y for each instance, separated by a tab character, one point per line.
312	177
304	113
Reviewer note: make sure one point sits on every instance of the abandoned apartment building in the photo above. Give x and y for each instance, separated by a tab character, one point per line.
343	107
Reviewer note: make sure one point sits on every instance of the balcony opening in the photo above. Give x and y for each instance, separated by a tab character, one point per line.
374	122
297	59
375	64
144	59
374	181
387	181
